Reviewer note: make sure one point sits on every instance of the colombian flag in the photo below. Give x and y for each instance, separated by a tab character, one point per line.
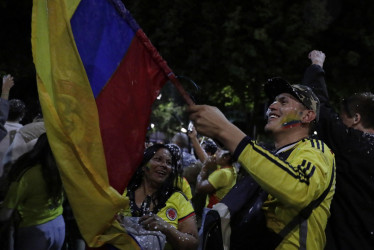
98	75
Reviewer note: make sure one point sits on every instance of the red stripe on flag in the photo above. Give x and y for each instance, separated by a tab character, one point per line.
124	107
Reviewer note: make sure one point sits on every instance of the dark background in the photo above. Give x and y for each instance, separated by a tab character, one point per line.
229	48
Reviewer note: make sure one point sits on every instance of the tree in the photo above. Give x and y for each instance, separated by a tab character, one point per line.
230	48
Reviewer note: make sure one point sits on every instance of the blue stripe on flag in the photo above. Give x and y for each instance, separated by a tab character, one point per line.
100	56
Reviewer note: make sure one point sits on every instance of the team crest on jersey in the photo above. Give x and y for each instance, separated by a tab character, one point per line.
171	213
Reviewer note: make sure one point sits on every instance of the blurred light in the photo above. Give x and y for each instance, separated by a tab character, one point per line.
159	96
152	125
183	130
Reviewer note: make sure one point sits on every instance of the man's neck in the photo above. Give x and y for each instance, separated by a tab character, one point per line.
284	139
365	130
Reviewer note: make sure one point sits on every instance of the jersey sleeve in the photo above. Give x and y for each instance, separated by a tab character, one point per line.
219	178
186	209
177	209
186	188
295	182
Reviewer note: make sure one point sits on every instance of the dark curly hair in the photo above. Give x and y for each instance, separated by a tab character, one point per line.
17	110
169	186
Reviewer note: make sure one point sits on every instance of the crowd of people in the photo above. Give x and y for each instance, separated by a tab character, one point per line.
317	175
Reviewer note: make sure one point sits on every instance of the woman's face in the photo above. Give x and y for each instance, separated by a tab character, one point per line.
159	167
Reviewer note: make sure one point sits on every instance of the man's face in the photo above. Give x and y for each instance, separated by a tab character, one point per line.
284	113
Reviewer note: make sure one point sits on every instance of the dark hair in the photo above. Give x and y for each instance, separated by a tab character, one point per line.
169	186
40	154
362	103
210	146
181	139
17	110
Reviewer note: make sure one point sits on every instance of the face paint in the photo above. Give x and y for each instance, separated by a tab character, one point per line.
291	121
147	167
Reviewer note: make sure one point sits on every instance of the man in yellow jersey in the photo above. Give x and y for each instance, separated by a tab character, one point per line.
295	174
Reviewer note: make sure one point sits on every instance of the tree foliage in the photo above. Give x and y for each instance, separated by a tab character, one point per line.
230	48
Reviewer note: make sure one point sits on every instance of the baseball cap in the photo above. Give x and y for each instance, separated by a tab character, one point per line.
302	93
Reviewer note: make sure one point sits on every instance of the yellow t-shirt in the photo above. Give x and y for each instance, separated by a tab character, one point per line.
222	179
177	209
29	196
185	187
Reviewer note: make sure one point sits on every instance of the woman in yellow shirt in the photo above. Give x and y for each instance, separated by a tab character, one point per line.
35	191
155	198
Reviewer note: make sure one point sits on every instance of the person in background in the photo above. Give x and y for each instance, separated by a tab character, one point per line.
24	140
36	193
181	140
350	136
8	83
298	172
17	110
182	182
16	113
216	178
202	149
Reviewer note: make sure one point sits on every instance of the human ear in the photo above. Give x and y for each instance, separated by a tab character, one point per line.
356	118
308	116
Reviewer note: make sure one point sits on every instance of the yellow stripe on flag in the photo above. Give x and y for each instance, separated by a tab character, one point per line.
71	121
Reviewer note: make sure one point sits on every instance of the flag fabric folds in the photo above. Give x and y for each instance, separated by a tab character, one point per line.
98	75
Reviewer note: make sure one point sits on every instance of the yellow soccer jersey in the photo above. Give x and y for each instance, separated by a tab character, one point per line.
177	209
185	187
222	179
29	196
292	185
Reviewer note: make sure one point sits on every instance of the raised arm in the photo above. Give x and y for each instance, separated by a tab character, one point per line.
202	183
4	105
314	76
200	152
8	83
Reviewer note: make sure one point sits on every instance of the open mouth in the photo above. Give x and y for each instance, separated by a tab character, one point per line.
273	116
161	173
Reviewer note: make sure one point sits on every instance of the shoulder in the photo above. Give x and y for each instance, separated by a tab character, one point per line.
227	170
30	172
177	207
178	197
315	151
314	145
